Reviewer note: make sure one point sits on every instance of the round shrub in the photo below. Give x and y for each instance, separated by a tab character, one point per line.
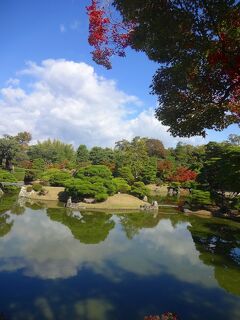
30	175
59	179
200	198
6	176
29	188
100	171
10	189
100	197
139	190
121	185
37	187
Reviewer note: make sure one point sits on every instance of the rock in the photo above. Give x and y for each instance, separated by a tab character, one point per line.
185	210
89	200
204	213
1	192
23	192
145	199
155	204
69	202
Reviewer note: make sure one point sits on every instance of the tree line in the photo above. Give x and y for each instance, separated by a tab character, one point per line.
213	168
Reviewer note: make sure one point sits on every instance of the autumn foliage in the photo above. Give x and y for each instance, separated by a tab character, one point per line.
183	174
107	36
226	56
164	316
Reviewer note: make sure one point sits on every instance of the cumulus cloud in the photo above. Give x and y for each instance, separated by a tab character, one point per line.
68	100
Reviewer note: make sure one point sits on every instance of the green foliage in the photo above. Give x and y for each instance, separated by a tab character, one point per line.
82	153
135	155
121	185
10	189
19	173
55	177
38	164
58	179
149	171
31	175
126	173
197	77
200	198
100	197
139	190
6	176
9	147
100	171
52	151
37	187
29	188
221	171
79	189
100	155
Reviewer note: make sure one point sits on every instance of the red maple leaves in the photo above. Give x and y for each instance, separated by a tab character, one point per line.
226	56
183	174
106	36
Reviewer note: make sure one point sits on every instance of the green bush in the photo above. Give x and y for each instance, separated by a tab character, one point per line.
139	190
37	187
121	185
200	198
59	179
126	174
19	174
6	176
10	189
78	189
101	197
42	192
31	175
29	188
100	171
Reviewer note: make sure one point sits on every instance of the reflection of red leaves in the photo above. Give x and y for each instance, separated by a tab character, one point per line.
164	316
107	37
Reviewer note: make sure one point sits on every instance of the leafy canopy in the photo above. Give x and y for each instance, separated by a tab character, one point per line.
196	44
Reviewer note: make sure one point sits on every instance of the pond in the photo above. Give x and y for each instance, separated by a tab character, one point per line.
58	264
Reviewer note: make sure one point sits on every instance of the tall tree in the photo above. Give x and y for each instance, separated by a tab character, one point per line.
52	151
82	153
196	44
8	150
155	148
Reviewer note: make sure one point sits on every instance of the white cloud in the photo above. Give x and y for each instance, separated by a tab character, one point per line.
69	101
62	28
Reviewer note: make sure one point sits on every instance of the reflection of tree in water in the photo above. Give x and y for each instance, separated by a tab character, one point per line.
5	224
8	203
133	222
219	245
89	228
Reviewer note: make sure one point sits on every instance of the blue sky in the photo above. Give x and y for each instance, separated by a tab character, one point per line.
51	30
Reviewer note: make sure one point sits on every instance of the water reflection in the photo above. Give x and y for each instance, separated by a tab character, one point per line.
88	228
95	265
218	244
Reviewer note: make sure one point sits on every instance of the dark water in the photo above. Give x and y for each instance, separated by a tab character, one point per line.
55	264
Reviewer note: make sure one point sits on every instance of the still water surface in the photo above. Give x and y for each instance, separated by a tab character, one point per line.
58	264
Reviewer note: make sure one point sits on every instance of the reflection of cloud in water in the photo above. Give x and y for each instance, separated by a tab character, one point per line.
46	249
